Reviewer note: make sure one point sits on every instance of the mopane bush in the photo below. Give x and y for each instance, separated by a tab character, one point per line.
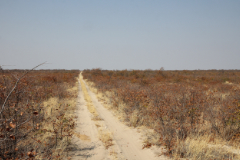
176	104
21	108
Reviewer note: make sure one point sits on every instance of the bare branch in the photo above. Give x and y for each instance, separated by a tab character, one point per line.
16	86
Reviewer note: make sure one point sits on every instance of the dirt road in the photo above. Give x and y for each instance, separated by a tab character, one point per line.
127	143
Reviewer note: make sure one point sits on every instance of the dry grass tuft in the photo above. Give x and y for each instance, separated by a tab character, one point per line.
97	125
52	109
82	136
114	154
150	136
203	147
106	138
135	120
97	118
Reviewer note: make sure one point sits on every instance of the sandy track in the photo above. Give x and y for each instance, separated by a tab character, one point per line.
85	143
127	141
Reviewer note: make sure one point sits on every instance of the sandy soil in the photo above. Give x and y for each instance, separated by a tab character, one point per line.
85	143
127	142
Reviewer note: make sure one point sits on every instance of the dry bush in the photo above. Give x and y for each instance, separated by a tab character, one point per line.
177	105
28	128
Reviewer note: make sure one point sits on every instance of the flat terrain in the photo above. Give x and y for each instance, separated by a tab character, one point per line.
126	141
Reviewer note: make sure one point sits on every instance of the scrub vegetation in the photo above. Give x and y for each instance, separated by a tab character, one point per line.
194	114
37	113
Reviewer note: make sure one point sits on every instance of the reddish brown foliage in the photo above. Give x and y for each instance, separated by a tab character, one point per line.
23	113
179	102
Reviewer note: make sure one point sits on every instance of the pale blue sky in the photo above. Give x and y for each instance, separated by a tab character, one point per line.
120	34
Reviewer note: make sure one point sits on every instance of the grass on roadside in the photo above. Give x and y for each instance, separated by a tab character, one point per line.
58	126
206	147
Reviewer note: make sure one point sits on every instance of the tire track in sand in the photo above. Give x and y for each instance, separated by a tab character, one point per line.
86	144
127	141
